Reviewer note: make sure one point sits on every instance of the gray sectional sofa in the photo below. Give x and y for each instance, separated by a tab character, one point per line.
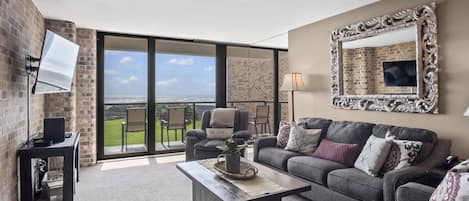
332	181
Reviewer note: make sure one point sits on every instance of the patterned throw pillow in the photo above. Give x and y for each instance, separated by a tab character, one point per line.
402	154
283	133
373	155
219	133
303	140
455	185
338	152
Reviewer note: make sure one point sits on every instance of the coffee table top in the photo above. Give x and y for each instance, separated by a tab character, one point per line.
284	184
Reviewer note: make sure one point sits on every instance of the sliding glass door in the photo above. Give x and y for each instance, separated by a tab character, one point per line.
184	82
125	95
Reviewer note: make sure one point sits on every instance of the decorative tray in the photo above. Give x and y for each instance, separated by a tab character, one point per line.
247	171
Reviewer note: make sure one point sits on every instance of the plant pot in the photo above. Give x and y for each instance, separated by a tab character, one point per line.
232	163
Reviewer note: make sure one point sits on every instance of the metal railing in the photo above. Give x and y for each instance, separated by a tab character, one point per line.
192	105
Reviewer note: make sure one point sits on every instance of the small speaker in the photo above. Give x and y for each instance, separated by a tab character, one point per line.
54	130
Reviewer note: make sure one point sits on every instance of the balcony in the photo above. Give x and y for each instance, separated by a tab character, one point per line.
116	114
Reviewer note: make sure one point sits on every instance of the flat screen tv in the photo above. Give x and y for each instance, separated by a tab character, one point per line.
56	65
400	73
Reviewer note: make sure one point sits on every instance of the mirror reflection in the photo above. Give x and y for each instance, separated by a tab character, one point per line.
381	64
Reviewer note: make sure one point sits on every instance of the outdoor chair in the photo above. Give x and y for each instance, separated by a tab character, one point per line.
135	122
176	120
261	118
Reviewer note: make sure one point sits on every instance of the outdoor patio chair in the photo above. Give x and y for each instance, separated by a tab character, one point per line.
261	118
135	122
176	120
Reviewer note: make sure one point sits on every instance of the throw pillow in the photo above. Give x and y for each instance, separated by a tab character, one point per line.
222	118
302	140
283	133
338	152
219	133
455	184
402	154
373	155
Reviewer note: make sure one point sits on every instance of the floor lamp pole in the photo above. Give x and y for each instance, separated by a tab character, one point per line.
293	105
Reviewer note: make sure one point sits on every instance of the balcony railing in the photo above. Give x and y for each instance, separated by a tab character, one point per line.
118	112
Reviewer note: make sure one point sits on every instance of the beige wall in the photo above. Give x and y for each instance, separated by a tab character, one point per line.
309	54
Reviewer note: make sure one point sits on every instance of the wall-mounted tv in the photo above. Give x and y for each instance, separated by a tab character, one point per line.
56	65
400	73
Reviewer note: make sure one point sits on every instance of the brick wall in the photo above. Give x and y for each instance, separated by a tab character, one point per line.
251	79
78	106
62	104
86	95
363	68
21	33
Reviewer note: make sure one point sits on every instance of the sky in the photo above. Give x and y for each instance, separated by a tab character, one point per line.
125	75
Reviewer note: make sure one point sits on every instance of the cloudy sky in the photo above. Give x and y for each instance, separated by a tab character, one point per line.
125	75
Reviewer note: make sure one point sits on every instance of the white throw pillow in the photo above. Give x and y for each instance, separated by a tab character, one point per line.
373	155
219	133
303	140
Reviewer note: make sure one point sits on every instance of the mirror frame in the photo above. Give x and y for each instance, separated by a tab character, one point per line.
426	99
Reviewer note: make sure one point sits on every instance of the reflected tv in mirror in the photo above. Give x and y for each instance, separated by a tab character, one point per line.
400	73
57	65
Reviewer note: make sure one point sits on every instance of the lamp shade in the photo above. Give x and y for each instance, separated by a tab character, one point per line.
292	82
466	113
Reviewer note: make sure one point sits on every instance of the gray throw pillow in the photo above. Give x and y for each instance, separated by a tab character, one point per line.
373	155
303	140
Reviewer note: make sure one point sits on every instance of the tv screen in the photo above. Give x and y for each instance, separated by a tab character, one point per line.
400	73
57	65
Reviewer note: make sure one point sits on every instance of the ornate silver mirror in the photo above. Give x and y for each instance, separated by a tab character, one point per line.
388	63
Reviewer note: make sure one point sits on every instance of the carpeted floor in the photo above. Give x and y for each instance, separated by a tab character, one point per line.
137	179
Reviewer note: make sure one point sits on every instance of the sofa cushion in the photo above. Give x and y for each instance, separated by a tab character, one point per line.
349	132
427	137
276	157
312	168
356	184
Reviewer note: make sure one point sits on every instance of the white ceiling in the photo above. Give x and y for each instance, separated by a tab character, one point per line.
254	22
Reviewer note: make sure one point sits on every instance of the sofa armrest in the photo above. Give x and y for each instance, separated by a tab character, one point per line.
244	135
263	142
197	133
395	178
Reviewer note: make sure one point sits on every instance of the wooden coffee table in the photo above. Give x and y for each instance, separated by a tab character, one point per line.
207	185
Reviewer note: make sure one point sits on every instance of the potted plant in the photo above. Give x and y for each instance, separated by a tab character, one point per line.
232	153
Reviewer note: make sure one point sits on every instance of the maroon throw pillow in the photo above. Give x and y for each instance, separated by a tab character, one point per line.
338	152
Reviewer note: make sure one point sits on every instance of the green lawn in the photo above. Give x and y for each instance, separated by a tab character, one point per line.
112	133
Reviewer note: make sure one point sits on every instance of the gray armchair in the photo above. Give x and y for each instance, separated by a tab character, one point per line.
198	147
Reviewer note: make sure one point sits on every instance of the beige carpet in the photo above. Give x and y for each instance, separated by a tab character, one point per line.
137	179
